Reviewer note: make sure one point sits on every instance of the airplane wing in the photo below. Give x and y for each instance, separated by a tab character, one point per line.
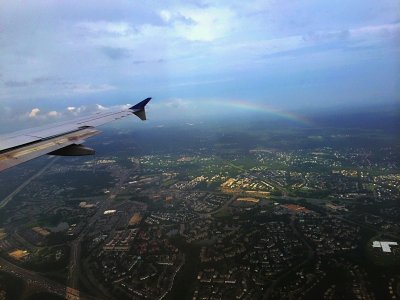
63	139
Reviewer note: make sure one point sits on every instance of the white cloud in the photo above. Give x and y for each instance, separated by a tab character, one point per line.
75	111
192	23
101	107
177	103
34	113
165	15
53	114
37	114
201	24
86	109
94	108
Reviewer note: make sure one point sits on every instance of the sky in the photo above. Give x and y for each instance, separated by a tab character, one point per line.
60	59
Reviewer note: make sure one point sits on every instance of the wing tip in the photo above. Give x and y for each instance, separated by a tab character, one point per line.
141	105
139	109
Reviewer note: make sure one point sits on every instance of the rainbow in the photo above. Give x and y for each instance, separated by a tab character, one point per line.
261	107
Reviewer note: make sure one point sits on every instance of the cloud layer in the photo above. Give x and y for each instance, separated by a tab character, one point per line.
292	55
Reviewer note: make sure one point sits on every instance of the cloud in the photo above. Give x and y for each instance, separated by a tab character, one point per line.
327	36
354	34
16	83
101	107
177	103
90	88
53	114
26	83
204	24
37	114
75	111
191	23
201	82
119	28
165	15
376	31
93	51
93	108
250	54
116	53
34	113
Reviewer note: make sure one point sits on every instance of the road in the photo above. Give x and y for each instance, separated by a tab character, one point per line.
70	291
33	278
6	200
73	273
36	280
171	283
75	255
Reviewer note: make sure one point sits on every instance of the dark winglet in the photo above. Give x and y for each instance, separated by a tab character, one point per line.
141	104
139	109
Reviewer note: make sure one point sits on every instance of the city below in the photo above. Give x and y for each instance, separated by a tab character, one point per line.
199	212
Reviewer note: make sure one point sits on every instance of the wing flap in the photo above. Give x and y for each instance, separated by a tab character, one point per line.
30	151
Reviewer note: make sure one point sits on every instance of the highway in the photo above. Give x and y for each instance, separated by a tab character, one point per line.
33	278
73	274
6	200
74	265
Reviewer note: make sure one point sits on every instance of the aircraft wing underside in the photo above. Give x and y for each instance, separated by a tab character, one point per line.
59	139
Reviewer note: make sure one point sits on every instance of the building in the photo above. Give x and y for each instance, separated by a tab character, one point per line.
384	245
